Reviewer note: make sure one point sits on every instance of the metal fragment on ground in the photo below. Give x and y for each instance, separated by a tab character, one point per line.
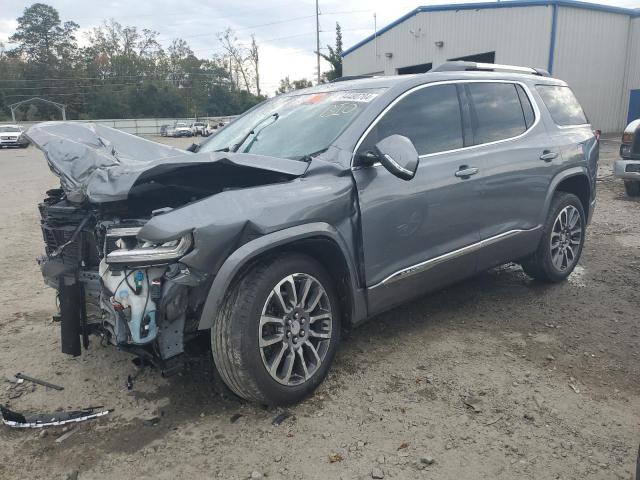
22	376
280	418
19	420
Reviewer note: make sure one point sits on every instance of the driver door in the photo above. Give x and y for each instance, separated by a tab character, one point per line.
423	233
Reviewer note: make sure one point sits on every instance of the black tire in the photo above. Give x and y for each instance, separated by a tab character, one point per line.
632	187
540	265
236	331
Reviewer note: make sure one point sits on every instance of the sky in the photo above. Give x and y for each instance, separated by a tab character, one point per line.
284	29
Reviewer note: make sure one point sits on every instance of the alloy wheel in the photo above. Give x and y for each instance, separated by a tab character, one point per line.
566	238
295	329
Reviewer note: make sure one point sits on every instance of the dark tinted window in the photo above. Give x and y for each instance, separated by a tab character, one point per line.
430	117
562	105
529	116
498	112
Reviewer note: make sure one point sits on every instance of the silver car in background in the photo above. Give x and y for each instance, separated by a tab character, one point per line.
627	167
12	136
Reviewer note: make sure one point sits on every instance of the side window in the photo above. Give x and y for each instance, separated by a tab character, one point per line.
527	109
430	117
562	105
497	111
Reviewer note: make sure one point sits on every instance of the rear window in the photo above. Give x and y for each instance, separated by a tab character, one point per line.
498	112
562	105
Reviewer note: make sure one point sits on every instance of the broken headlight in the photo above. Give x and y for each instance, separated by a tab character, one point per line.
132	251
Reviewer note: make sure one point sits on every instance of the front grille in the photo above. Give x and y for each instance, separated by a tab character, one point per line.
59	221
54	238
632	167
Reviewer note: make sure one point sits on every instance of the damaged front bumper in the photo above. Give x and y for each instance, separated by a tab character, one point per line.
134	294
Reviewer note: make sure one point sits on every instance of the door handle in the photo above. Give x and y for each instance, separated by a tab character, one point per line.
548	155
466	171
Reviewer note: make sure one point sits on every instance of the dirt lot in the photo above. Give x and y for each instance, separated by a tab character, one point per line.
550	373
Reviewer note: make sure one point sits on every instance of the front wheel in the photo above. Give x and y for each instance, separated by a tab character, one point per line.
278	330
562	240
632	187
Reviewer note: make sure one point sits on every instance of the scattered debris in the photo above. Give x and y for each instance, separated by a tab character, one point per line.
73	475
281	418
495	420
426	460
403	445
539	401
336	457
18	420
574	388
151	422
235	417
21	376
64	436
474	403
550	358
129	382
377	473
256	475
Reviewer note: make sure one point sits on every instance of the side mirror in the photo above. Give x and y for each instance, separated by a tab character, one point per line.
193	148
398	155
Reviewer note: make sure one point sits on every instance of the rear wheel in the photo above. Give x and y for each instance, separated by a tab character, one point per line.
562	240
632	187
278	330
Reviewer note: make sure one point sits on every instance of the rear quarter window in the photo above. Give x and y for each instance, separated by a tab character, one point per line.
562	105
498	113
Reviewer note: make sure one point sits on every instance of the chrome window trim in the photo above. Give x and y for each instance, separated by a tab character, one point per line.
525	87
432	262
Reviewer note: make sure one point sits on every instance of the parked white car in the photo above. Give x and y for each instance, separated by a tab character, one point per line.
198	128
12	136
182	130
213	127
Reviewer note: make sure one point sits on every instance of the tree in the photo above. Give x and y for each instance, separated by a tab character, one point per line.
237	57
254	58
43	39
122	72
286	85
334	57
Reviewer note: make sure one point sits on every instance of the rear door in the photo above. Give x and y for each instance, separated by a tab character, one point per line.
416	233
519	158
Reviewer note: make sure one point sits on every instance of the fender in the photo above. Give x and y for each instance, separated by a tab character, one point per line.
563	175
239	258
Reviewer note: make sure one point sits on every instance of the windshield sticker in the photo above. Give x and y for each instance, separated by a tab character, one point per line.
339	109
365	97
317	98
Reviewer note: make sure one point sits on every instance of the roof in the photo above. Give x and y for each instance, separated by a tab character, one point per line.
384	82
495	5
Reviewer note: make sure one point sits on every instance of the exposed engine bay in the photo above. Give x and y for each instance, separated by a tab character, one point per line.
133	293
126	301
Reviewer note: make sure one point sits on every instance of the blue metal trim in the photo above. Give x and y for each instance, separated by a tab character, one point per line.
492	5
552	40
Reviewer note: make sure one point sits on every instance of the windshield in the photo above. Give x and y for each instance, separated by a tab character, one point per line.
9	129
292	126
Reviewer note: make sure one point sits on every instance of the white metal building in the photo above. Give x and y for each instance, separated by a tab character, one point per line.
595	48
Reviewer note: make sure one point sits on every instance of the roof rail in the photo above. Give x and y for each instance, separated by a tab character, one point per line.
346	78
456	66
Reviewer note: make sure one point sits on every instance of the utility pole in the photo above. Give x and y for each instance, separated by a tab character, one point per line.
375	36
318	39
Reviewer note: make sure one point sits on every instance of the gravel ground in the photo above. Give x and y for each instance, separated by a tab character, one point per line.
498	377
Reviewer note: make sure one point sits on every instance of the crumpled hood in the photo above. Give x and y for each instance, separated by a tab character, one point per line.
101	164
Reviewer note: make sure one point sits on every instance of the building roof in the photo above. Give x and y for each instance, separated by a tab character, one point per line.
493	5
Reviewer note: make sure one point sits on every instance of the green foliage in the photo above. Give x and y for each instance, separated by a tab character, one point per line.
334	57
122	72
286	85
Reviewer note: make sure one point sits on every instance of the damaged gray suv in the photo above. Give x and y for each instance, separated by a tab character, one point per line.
314	210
